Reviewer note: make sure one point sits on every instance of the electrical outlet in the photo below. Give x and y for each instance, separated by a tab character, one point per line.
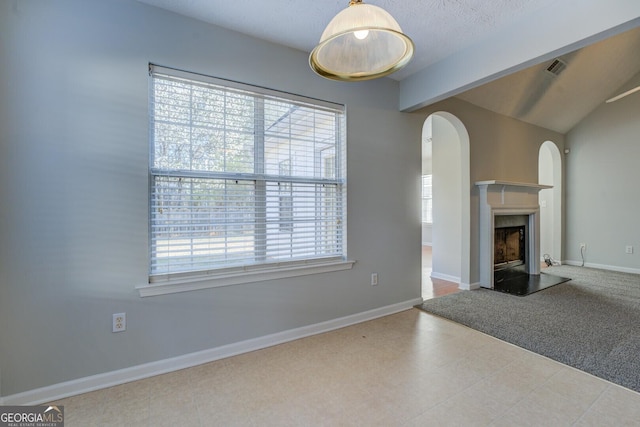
628	249
119	322
583	246
374	279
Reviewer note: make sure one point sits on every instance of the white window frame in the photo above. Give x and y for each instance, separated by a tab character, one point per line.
180	281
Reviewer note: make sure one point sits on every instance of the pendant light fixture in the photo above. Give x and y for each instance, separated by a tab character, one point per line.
362	42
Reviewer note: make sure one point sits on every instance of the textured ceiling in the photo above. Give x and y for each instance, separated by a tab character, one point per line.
438	27
442	28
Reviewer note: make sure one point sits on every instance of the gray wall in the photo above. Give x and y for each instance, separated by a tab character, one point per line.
602	176
73	167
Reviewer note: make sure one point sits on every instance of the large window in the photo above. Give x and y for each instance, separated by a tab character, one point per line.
242	177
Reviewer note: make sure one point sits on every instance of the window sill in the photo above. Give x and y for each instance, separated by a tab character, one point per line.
240	276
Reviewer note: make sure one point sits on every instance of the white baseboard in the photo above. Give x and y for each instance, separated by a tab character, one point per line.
447	277
469	286
603	266
454	279
121	376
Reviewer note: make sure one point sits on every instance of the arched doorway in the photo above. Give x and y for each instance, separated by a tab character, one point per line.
446	139
550	173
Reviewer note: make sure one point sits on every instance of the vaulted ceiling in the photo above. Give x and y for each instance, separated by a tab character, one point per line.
448	31
560	92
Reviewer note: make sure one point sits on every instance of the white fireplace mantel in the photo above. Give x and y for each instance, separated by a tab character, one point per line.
511	188
508	198
513	184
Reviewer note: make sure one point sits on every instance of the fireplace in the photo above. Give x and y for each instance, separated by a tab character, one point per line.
510	237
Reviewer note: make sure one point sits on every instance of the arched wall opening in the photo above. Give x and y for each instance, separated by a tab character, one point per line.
448	141
550	173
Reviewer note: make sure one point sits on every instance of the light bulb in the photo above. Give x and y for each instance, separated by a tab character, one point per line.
361	35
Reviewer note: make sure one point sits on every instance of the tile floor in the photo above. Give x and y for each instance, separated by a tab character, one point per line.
406	369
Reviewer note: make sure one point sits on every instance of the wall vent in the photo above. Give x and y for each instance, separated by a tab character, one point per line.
556	67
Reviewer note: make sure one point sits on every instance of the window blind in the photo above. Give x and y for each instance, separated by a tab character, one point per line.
242	176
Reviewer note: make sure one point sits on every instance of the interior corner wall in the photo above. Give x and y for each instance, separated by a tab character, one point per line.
74	150
602	176
546	198
501	148
447	197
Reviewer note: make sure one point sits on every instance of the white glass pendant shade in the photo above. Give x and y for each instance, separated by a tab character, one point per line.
362	42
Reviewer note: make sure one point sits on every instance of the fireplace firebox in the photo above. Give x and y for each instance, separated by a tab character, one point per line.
509	247
509	255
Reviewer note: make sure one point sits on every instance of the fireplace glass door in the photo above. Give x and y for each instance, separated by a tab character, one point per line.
509	247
